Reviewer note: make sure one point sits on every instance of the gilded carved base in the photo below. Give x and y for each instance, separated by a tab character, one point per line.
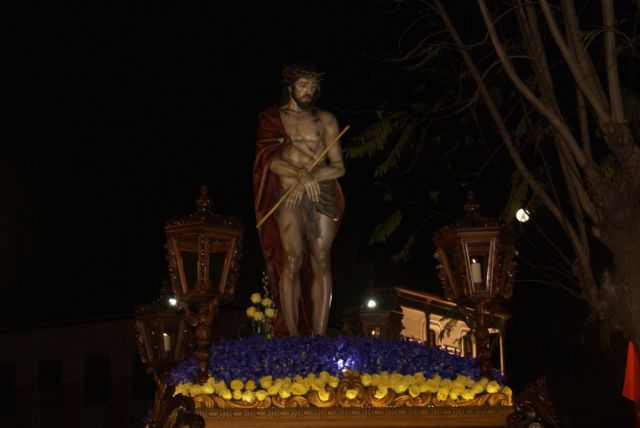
337	417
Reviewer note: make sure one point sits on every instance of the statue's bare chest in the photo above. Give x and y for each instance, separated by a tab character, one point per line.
305	130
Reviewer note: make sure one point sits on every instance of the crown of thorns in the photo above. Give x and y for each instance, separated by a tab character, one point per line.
296	72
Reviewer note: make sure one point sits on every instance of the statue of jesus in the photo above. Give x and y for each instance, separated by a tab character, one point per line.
296	241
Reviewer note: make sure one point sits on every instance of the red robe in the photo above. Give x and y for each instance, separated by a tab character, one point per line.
271	139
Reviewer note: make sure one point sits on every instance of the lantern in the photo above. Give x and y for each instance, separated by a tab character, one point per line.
203	254
163	340
476	268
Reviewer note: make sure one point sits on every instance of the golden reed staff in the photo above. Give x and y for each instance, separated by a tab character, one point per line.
310	168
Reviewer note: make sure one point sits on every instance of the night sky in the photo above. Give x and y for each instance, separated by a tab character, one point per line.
114	113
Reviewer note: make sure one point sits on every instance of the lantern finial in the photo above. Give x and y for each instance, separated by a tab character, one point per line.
204	202
471	206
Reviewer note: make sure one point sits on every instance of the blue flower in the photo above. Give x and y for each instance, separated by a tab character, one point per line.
253	357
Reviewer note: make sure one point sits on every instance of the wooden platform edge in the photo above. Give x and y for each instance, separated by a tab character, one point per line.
370	417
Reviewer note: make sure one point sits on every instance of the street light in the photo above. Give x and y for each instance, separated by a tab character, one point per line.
203	254
379	314
476	267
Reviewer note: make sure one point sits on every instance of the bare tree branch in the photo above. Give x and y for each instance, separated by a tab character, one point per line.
578	73
611	61
552	117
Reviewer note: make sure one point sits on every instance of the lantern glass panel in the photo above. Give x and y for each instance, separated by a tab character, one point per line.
478	262
188	248
153	334
190	266
169	338
216	267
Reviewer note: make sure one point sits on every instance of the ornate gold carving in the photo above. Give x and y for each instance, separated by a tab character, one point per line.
365	397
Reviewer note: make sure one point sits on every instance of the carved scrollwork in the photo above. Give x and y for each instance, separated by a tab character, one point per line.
533	406
340	398
180	408
295	401
314	398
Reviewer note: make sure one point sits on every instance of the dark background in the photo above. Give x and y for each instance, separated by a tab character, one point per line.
114	113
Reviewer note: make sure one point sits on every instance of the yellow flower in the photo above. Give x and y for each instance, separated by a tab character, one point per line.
427	387
181	389
256	298
414	390
299	388
270	312
366	379
250	311
284	393
446	383
237	385
468	382
206	389
261	394
396	377
468	395
195	390
317	384
400	387
483	382
323	395
375	379
250	385
458	387
380	392
267	303
247	396
493	387
266	381
454	395
272	390
506	391
324	376
220	386
237	394
477	388
333	381
298	378
258	316
351	394
226	394
285	379
442	394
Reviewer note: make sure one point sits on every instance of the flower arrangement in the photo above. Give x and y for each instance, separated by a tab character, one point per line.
261	313
323	370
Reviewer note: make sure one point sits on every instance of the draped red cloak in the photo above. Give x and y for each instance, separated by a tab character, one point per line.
271	139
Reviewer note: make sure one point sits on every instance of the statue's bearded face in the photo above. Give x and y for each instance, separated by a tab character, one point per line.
304	92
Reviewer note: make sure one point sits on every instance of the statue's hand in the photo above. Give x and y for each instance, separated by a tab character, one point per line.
295	196
310	183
